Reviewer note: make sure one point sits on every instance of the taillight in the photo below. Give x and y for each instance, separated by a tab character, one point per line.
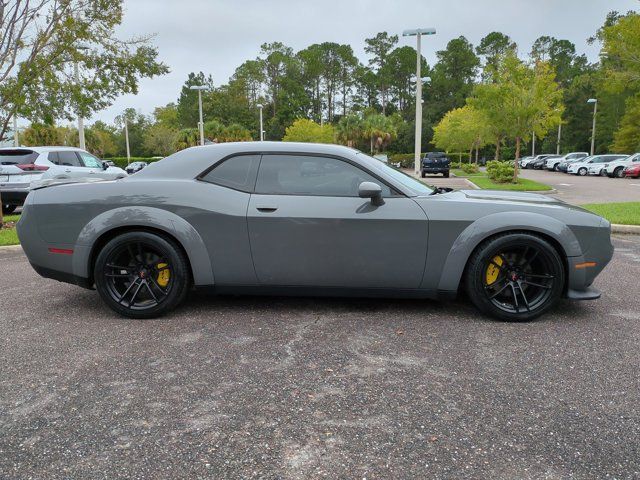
32	167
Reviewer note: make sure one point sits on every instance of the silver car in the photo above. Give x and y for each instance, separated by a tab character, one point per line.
21	167
308	219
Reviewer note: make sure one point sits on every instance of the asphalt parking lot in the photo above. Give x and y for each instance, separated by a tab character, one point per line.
588	189
247	387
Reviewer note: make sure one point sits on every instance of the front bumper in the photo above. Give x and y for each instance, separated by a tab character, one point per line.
431	169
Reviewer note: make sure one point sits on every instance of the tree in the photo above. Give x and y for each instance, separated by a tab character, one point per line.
187	109
350	129
493	47
159	140
379	48
627	137
304	130
276	64
523	99
41	42
462	128
185	138
235	133
400	70
453	77
379	130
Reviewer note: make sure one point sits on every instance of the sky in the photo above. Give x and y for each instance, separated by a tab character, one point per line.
216	36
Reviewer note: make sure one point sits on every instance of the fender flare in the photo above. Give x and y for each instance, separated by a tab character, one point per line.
497	223
138	216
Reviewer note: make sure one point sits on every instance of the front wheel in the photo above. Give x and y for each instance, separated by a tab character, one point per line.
445	175
618	172
423	175
515	277
142	275
582	172
556	167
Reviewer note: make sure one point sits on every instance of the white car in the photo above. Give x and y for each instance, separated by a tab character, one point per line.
524	161
22	166
616	168
582	167
554	162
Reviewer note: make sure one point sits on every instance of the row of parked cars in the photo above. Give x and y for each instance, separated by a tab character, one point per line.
24	168
581	163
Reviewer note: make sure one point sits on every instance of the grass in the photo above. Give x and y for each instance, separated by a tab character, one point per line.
459	173
626	213
523	185
9	236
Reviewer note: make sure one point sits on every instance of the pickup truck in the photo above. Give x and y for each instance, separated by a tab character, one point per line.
435	162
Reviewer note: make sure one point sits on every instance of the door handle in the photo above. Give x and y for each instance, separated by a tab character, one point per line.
68	171
266	209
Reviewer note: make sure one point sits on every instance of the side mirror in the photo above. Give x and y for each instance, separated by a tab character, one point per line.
371	190
105	165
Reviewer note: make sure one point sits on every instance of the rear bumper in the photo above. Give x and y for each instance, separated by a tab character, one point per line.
435	169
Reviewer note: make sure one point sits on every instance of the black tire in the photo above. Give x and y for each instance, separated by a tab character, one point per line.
8	209
125	275
445	175
423	175
582	171
536	285
556	167
618	172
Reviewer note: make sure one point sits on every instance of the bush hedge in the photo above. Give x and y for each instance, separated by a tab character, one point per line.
469	168
500	172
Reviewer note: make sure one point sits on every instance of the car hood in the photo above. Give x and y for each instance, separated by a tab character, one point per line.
511	196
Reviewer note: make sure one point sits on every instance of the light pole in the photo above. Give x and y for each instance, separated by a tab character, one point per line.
533	144
16	137
260	106
559	135
418	34
76	74
593	128
200	88
126	139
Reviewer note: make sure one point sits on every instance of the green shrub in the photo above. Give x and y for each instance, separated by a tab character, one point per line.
470	168
500	172
406	160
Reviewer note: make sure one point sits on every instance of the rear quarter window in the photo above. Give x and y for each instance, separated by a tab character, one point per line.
237	172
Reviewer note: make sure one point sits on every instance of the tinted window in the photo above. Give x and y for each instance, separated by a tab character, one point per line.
311	175
235	172
17	157
68	159
90	161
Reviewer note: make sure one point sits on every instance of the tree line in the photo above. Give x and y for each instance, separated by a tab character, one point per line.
325	92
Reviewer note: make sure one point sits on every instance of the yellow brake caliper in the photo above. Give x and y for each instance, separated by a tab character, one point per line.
163	275
492	270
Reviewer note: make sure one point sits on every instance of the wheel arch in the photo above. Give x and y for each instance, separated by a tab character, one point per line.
114	222
557	233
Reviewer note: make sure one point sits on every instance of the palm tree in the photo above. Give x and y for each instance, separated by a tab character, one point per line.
349	129
380	130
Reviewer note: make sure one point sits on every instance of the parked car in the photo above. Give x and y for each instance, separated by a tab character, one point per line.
598	168
135	167
539	162
616	167
563	166
435	162
552	163
20	166
581	167
524	161
241	218
632	171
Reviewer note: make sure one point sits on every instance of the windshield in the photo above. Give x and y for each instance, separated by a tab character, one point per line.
399	176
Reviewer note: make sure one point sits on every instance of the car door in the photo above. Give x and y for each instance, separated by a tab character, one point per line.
69	164
94	166
308	227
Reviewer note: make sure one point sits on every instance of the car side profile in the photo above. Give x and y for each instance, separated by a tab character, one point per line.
21	166
552	163
616	168
308	219
582	166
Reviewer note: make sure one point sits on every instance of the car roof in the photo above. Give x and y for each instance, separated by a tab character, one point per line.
44	149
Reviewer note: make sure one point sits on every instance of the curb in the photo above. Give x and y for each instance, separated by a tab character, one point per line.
626	229
10	248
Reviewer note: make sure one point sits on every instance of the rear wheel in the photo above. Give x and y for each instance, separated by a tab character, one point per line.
556	167
618	172
8	209
445	175
515	277
142	275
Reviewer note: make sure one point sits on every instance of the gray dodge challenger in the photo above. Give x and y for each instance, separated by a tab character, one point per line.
308	219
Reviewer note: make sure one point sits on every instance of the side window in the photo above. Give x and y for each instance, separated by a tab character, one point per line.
53	158
238	172
68	159
90	161
311	175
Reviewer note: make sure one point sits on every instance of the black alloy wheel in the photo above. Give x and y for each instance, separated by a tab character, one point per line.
515	277
142	274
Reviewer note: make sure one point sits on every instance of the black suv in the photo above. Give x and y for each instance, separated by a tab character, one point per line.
435	162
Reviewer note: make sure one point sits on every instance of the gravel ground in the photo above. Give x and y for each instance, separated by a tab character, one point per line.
237	387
